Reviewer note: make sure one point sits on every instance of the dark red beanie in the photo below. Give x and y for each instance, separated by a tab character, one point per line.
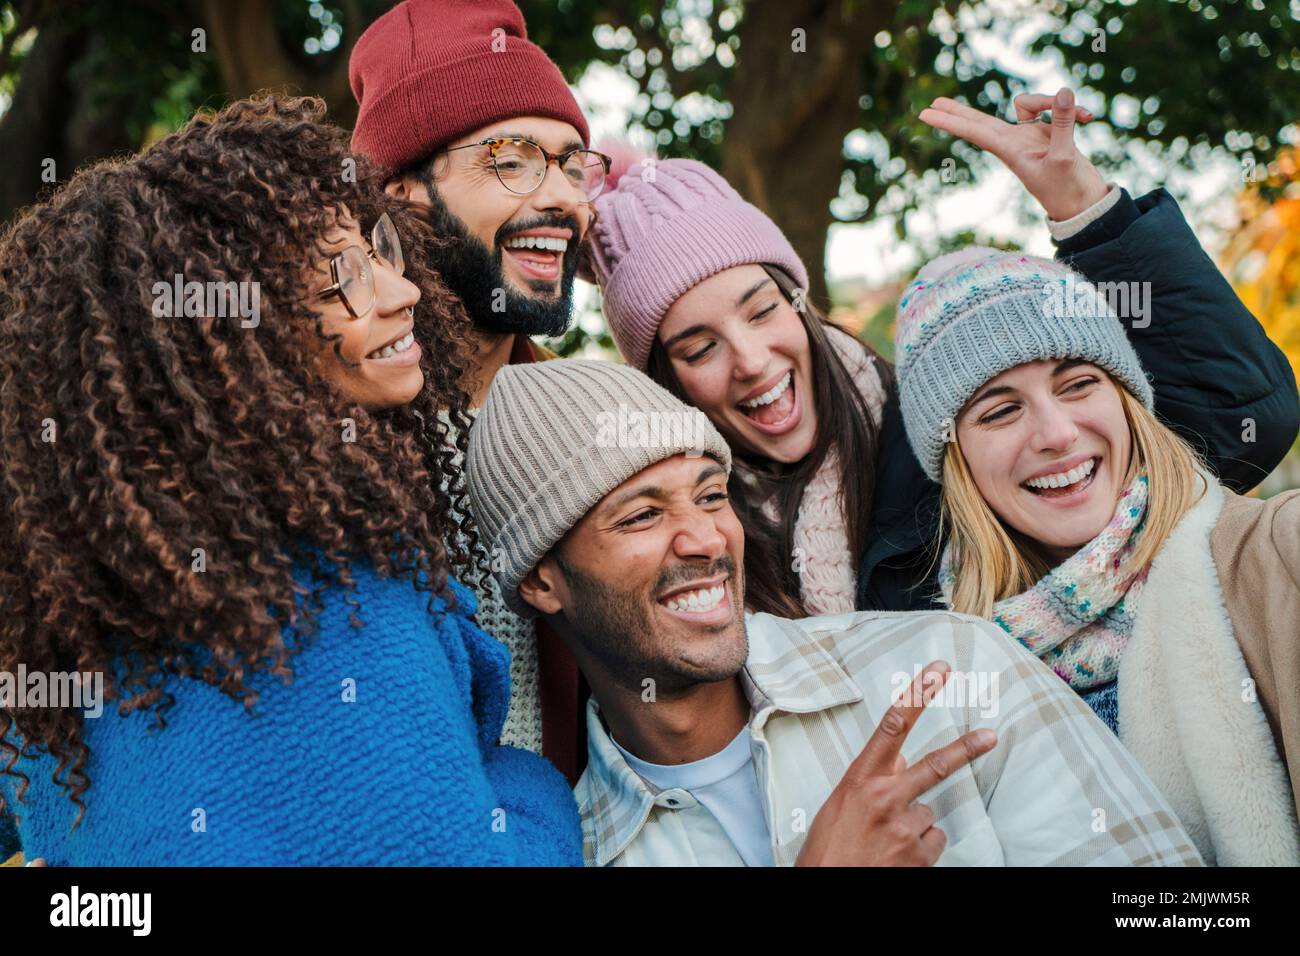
429	71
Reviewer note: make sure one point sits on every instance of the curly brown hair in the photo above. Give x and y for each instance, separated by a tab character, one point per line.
175	434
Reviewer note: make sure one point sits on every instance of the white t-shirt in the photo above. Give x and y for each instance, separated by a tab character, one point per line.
726	785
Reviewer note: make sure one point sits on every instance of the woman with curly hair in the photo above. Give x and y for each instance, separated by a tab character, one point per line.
222	467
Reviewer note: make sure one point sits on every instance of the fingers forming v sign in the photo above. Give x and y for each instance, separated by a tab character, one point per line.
882	756
871	818
1044	157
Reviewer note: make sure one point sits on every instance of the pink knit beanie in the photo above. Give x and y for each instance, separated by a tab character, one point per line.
662	228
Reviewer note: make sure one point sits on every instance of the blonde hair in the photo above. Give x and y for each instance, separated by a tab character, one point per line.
991	561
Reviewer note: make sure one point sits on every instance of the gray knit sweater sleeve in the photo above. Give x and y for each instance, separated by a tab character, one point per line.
523	725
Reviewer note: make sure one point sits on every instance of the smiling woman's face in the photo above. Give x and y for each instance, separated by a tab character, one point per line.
372	380
1048	445
741	354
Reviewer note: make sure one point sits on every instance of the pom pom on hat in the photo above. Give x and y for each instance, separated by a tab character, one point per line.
663	231
623	156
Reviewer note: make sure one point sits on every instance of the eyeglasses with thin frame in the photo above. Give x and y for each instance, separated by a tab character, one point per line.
521	165
353	275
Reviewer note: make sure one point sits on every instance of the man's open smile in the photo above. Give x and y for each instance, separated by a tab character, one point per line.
538	254
706	601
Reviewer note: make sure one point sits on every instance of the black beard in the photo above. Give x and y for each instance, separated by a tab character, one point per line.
474	272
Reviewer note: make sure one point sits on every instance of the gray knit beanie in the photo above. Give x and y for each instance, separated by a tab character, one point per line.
552	439
971	315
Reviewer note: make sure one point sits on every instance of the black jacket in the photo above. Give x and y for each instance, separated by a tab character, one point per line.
1209	361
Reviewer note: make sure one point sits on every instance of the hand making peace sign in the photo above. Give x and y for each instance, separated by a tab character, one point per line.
1043	156
872	817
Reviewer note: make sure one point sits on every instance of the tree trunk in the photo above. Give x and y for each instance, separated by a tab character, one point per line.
51	119
251	56
791	111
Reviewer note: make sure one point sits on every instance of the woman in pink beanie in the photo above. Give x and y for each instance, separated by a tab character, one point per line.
704	292
686	264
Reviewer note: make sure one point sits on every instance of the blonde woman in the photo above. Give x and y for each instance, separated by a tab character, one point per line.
1093	535
704	293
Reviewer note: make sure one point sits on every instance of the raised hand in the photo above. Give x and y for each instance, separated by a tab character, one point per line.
1043	156
871	817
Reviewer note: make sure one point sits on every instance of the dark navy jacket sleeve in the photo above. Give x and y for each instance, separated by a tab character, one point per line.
1213	368
1219	381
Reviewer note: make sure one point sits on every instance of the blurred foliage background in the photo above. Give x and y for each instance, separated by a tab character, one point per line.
807	106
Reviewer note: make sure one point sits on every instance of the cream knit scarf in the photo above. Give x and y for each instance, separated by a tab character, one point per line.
823	558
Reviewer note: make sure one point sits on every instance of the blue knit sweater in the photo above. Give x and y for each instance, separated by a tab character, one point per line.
408	774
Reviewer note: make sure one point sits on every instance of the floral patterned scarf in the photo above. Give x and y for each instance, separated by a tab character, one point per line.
1079	617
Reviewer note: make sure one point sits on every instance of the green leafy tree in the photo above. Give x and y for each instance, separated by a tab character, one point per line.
84	80
808	106
770	91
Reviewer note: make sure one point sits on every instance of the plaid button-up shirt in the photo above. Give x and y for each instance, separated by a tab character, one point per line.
1058	789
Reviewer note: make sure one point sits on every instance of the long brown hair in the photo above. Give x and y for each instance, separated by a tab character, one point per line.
844	422
129	441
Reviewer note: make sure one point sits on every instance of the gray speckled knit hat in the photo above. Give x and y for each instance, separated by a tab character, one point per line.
552	439
971	315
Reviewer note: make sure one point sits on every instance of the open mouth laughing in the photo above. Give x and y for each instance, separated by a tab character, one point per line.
773	407
1063	482
700	602
538	253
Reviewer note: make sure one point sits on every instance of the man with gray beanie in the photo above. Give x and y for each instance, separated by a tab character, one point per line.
717	737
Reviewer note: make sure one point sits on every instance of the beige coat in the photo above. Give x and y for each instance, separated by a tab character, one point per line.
1208	683
1256	549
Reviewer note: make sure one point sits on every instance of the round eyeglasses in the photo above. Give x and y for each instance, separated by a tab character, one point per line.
521	165
354	278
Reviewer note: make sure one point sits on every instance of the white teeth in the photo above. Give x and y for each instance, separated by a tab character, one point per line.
1064	478
401	345
771	395
538	242
706	599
